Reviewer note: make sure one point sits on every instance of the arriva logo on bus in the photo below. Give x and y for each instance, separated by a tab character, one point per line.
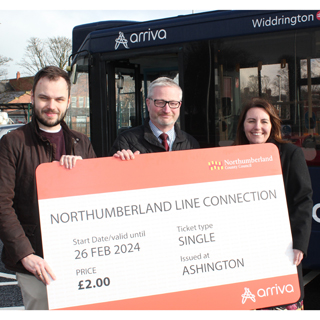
143	36
314	212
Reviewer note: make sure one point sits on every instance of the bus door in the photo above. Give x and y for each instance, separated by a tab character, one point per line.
227	93
123	98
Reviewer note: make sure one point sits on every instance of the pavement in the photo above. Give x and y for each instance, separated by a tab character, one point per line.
10	294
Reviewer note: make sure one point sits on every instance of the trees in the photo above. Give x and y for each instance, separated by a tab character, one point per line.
60	50
3	62
40	53
35	57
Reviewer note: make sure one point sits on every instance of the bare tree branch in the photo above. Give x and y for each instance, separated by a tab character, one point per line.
60	50
3	62
40	53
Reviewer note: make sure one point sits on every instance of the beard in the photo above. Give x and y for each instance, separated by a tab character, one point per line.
40	117
165	122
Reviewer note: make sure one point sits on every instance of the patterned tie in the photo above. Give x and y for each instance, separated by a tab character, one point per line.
163	137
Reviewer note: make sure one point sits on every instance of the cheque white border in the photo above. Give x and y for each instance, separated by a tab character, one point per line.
239	227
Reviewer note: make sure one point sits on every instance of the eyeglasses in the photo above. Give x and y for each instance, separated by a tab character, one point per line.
162	103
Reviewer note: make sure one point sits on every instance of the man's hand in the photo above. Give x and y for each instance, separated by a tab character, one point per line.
69	161
38	267
126	154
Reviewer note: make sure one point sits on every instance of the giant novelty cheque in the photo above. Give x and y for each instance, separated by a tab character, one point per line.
187	230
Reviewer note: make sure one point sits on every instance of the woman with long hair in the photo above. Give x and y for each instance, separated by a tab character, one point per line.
260	123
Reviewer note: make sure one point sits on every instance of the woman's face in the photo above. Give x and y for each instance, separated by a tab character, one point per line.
257	125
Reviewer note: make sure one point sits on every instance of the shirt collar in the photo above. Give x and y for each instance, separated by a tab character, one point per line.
156	131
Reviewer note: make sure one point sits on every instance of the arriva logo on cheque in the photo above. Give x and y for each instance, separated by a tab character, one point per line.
263	293
143	36
244	163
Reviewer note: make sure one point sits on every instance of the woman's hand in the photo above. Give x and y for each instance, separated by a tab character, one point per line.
298	256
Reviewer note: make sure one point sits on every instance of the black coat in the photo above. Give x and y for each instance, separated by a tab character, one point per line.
298	189
141	138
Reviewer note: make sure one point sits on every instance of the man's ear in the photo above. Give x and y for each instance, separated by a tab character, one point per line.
148	103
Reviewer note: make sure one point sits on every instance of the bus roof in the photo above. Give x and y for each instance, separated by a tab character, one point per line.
111	36
80	32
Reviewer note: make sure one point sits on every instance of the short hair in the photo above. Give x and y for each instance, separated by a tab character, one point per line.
163	82
52	73
275	133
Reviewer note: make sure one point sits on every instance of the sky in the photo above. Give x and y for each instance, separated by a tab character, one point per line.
17	26
32	19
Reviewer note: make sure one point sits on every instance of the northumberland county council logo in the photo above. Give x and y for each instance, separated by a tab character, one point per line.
247	295
215	165
121	40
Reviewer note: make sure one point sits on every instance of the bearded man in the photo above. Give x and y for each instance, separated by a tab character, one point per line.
46	138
